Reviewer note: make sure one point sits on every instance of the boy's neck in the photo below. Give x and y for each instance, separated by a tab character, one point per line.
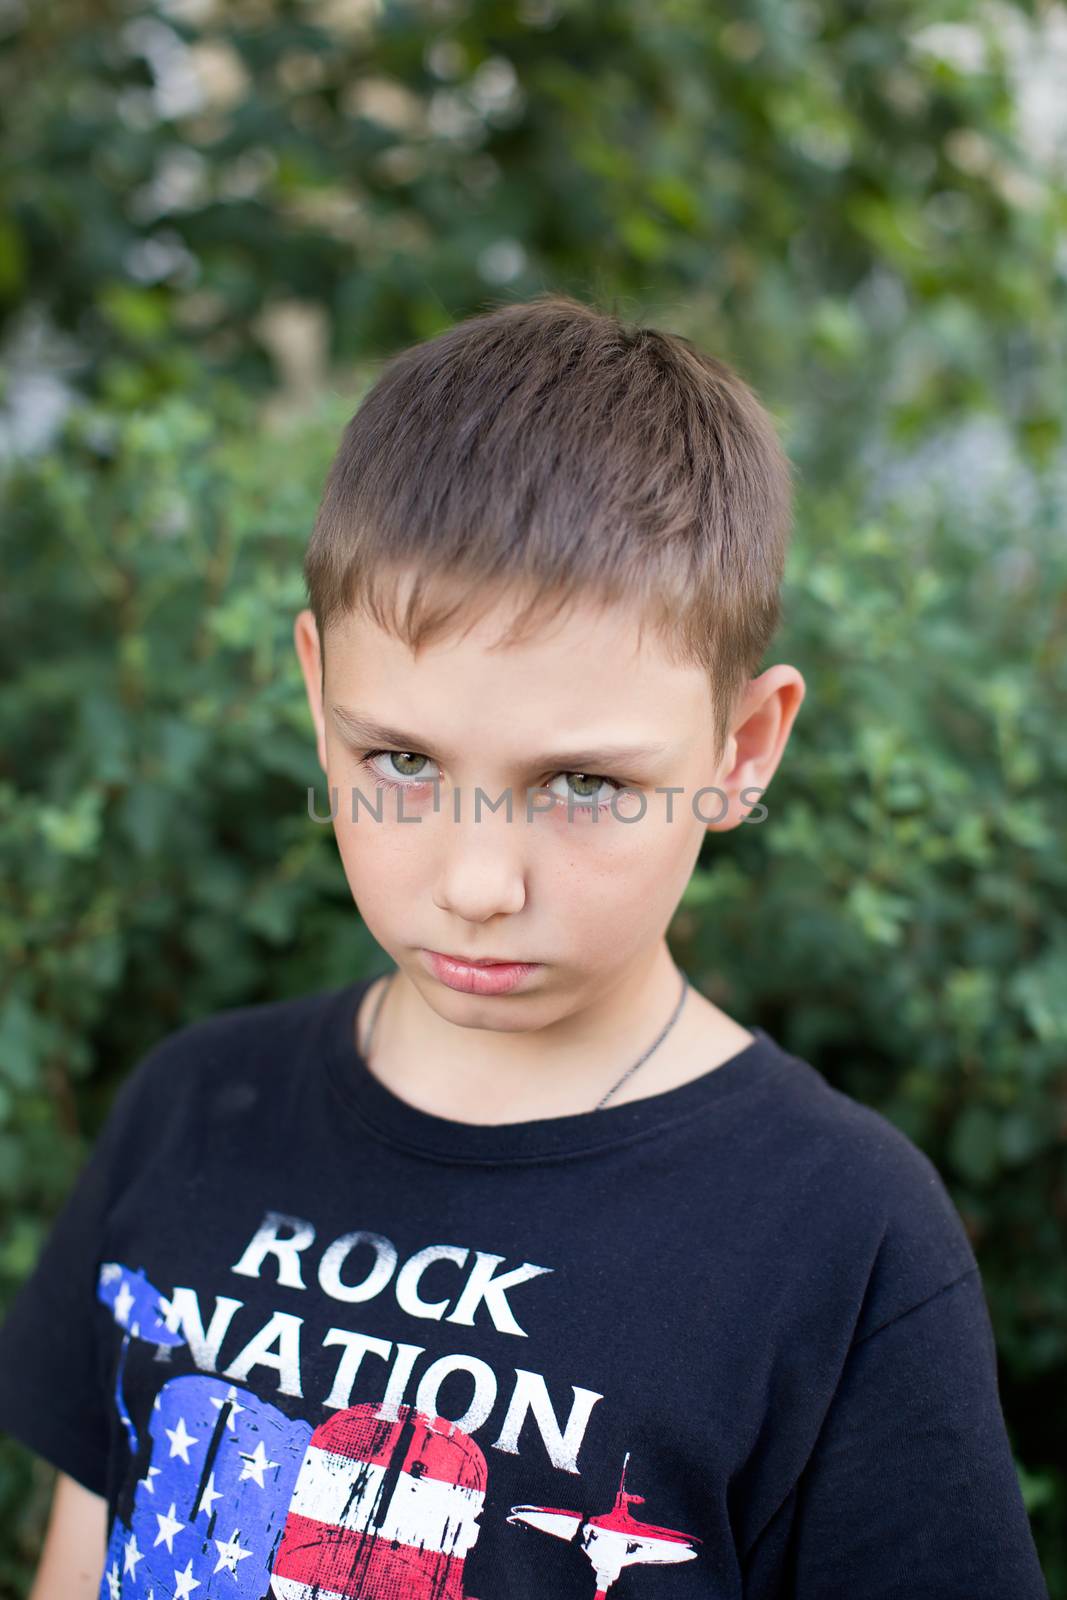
477	1076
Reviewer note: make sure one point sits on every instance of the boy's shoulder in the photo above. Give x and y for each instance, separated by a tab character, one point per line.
187	1069
830	1126
853	1178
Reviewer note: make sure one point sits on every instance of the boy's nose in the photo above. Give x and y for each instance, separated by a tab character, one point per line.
482	865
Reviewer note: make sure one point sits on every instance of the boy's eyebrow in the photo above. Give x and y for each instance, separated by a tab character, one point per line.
365	730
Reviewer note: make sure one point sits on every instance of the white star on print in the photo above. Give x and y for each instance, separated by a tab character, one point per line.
114	1582
131	1556
153	1472
185	1583
230	1554
231	1399
123	1302
180	1440
168	1527
256	1465
209	1496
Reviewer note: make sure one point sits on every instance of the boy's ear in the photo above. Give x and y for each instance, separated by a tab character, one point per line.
765	720
308	649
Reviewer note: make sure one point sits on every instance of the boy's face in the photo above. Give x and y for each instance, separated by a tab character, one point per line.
589	900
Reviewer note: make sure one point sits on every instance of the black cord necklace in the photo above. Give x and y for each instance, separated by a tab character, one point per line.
604	1098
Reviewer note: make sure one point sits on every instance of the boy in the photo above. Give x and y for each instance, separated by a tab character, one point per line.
527	1271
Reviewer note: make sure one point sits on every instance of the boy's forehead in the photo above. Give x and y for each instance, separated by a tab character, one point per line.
585	673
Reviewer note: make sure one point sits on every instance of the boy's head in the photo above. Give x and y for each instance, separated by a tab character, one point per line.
544	533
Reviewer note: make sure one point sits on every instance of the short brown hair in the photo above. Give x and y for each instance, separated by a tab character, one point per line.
548	446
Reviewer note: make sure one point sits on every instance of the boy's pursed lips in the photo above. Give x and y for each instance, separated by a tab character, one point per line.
483	977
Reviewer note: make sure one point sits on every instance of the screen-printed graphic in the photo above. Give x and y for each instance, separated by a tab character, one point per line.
381	1501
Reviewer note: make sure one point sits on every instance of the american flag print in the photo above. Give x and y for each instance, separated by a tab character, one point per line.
241	1500
139	1309
386	1507
135	1304
209	1512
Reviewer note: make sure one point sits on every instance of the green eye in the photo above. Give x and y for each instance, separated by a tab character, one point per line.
586	788
399	757
400	771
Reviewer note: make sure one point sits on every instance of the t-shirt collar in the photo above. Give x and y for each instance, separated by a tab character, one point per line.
385	1114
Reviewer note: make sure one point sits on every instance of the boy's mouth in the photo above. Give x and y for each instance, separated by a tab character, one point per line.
486	975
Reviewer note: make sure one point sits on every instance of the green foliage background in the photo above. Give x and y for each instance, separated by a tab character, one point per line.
217	219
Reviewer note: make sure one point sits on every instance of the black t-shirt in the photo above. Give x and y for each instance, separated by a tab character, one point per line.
311	1341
